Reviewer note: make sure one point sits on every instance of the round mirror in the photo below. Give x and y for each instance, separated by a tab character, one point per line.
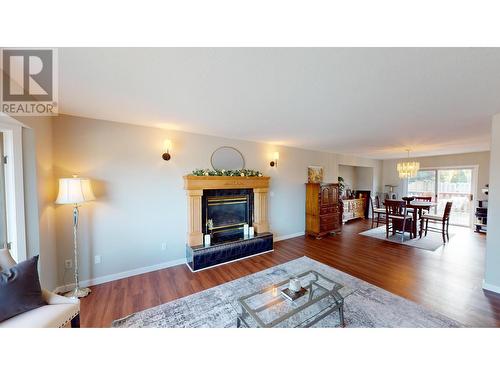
227	158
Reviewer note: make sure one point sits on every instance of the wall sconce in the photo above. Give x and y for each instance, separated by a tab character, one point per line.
276	157
167	146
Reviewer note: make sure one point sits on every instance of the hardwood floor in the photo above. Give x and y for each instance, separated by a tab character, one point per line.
447	280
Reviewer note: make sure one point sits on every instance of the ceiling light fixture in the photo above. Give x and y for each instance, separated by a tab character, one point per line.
408	169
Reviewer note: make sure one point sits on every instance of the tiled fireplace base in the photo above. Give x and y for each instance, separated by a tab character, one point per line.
200	257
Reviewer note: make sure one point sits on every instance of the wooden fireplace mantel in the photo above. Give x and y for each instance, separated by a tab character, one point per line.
225	182
194	186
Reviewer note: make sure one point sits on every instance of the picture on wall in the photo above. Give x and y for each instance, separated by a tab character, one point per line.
315	174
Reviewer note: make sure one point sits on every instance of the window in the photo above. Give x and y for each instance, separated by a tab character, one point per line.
447	184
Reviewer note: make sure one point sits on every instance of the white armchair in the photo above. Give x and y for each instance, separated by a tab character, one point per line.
58	312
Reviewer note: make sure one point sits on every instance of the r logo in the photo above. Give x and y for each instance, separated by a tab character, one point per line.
27	75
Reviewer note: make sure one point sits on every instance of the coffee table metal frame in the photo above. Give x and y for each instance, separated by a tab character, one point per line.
247	311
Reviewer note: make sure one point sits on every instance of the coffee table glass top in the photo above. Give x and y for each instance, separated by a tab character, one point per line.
269	308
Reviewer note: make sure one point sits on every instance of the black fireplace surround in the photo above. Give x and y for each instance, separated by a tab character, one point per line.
229	210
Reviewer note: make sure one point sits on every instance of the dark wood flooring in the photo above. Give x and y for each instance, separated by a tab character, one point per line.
447	280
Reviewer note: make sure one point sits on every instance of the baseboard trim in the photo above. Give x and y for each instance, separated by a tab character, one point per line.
288	236
491	287
120	275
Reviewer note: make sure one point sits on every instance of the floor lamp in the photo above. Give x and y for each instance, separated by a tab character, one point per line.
75	191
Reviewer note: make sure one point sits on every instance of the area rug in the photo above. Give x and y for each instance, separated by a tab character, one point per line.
431	242
365	305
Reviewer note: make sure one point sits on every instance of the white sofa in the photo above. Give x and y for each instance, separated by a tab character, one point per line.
58	312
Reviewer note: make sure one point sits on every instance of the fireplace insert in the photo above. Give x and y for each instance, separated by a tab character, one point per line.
225	212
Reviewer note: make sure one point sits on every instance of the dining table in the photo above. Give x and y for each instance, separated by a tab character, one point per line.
417	207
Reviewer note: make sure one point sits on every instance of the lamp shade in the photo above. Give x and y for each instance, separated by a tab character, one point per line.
74	190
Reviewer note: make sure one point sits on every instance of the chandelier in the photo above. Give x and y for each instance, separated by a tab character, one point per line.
408	169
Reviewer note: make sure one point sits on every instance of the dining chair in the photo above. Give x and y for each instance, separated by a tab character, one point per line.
377	211
423	199
396	214
444	220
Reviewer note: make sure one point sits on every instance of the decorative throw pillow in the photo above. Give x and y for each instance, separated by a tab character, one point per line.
20	289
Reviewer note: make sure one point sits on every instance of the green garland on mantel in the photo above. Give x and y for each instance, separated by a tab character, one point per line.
230	172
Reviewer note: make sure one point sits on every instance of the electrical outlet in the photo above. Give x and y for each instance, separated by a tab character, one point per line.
68	264
164	246
97	259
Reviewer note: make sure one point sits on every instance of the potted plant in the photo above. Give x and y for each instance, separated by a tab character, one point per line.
341	186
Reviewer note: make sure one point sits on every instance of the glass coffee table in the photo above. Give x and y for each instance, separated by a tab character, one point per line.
269	308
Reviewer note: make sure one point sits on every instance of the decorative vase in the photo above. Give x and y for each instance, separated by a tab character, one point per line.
295	285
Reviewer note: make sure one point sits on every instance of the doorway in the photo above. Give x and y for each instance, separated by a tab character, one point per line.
4	243
12	215
448	184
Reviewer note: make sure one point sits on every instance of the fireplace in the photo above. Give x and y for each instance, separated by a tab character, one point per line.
229	210
366	195
231	202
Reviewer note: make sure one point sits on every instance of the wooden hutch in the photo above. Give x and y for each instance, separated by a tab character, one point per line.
323	209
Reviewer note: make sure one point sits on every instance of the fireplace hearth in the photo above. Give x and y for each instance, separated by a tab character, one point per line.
202	257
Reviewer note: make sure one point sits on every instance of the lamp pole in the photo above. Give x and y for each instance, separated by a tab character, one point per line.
77	292
75	191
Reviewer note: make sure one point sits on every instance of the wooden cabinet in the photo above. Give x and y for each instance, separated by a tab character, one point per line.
323	209
353	209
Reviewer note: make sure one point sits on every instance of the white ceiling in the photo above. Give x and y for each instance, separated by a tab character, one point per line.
373	102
